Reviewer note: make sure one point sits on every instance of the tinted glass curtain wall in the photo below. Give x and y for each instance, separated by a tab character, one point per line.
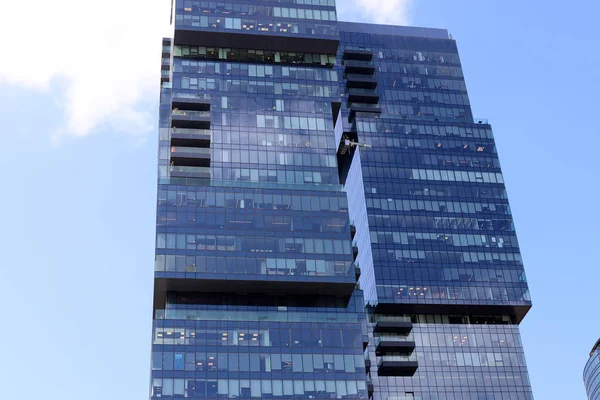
331	220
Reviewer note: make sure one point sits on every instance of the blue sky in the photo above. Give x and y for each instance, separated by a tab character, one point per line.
77	106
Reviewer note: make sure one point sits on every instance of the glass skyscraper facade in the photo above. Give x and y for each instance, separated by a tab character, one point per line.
591	373
332	221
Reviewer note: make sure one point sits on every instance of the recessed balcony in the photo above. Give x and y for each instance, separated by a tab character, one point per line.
178	171
191	103
190	119
361	55
190	137
397	366
394	344
366	96
402	327
359	67
361	81
190	156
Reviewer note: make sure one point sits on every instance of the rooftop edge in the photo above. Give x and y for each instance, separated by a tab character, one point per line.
360	27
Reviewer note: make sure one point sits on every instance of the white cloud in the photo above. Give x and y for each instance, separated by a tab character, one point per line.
104	55
395	12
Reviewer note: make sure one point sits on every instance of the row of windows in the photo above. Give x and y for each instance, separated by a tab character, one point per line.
293	122
188	61
257	266
469	359
442	275
401	128
274	158
254	362
417	82
290	302
264	87
421	56
483	148
454	383
429	189
424	97
281	176
302	141
430	223
275	104
258	11
436	174
265	315
245	5
252	244
423	239
410	109
253	25
263	388
472	294
254	201
445	257
251	221
486	336
392	66
248	337
459	207
376	156
300	13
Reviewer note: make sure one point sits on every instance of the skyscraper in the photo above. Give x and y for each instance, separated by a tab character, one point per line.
591	373
332	221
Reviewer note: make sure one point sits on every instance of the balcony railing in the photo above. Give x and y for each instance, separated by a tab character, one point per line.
412	357
391	318
190	172
193	132
190	151
189	113
359	67
186	95
394	338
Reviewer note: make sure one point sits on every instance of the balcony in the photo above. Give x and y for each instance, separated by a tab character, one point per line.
359	67
361	81
190	172
359	55
354	250
397	366
190	103
402	327
259	32
356	271
367	365
190	119
363	96
190	137
190	156
394	344
369	110
352	229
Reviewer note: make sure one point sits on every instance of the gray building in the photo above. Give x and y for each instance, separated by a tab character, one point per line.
332	222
